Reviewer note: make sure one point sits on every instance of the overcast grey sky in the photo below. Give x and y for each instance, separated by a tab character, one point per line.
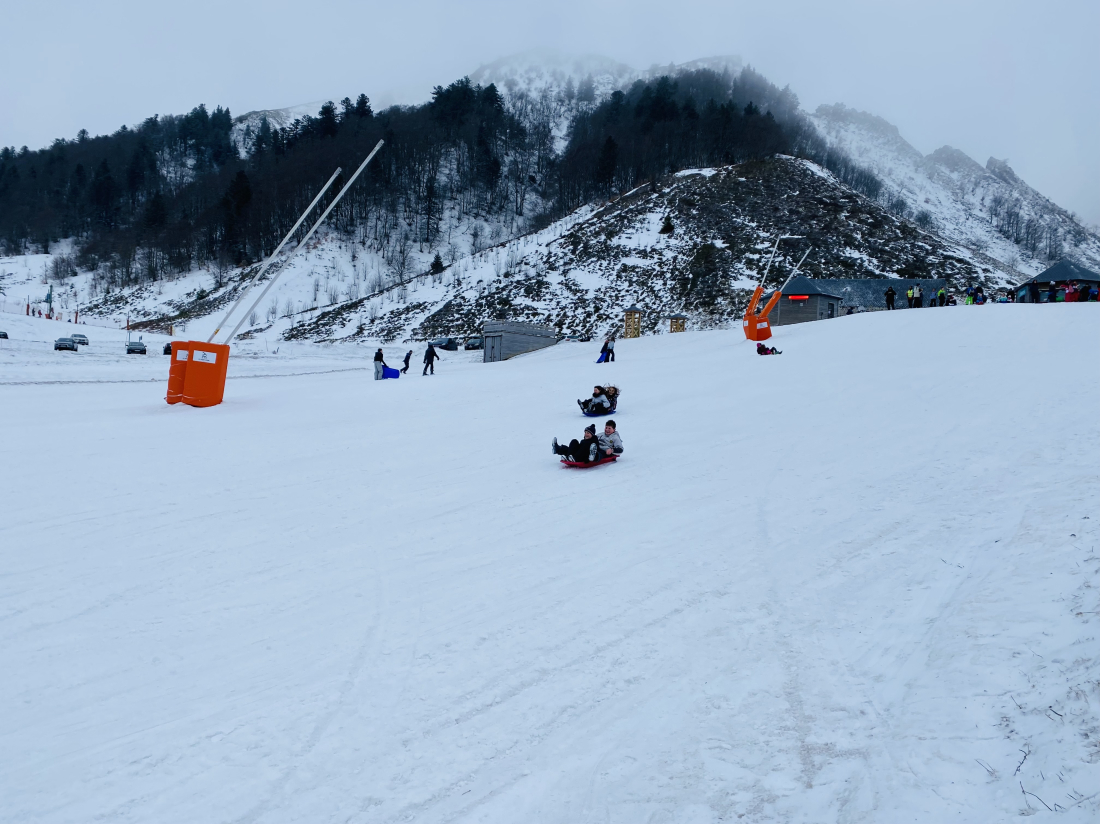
1004	78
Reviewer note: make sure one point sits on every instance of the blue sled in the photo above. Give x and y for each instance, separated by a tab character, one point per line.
390	373
603	357
599	414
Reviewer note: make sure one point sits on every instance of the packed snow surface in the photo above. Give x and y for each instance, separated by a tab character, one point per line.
855	582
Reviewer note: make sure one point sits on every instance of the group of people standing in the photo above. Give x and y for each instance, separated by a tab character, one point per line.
914	297
430	357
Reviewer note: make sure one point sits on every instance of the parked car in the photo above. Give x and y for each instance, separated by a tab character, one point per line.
447	344
580	338
168	348
80	339
65	343
4	335
475	342
135	347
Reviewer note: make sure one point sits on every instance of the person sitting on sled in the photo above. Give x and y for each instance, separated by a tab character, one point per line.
582	451
761	349
610	442
597	403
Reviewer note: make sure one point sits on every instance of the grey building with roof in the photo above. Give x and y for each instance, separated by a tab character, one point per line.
506	339
805	299
1049	286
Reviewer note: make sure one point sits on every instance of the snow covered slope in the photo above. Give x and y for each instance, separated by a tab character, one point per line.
856	582
987	209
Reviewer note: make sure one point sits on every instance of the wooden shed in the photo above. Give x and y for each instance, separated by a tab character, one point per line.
806	299
632	322
676	323
506	339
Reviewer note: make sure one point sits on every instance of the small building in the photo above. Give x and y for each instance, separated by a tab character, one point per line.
676	323
806	299
632	322
1050	286
505	339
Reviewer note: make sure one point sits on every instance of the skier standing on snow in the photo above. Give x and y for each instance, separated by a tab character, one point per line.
379	365
405	368
429	359
583	451
890	294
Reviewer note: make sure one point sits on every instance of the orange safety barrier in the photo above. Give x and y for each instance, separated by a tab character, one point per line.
204	379
177	371
757	327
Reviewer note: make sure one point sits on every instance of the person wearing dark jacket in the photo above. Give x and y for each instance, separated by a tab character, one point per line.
405	368
582	451
379	365
890	295
429	359
761	349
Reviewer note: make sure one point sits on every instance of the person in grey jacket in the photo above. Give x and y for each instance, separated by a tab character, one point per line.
610	442
379	365
598	402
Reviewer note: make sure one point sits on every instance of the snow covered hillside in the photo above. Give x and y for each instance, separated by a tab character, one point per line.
855	582
987	209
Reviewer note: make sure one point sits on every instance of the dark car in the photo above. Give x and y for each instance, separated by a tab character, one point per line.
168	348
80	339
475	343
446	344
3	335
135	347
65	343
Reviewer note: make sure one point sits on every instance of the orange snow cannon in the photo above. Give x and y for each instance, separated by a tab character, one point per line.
757	327
204	378
177	372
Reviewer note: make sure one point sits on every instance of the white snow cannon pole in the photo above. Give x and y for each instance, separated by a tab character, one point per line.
309	234
774	250
796	268
271	258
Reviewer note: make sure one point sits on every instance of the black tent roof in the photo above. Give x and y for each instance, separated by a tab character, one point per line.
1063	270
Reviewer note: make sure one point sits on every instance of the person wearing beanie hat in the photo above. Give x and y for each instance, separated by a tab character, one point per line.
584	450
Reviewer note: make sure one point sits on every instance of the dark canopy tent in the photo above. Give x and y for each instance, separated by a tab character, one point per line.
1050	285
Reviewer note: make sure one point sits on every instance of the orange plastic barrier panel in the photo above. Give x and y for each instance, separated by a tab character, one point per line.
177	371
204	381
757	327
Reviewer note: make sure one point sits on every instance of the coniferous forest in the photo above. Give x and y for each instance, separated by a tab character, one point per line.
175	192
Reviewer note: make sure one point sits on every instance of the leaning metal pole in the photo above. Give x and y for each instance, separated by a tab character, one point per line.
309	234
271	258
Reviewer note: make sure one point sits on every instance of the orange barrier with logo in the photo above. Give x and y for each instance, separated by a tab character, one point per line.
177	371
204	380
757	327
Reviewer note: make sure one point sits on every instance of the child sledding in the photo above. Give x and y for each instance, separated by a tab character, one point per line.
761	349
591	450
604	401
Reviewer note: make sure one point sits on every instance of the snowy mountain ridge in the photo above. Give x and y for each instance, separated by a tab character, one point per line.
987	209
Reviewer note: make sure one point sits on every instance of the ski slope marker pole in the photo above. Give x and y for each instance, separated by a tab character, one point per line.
309	234
271	258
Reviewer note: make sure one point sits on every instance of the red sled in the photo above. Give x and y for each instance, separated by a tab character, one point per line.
588	464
